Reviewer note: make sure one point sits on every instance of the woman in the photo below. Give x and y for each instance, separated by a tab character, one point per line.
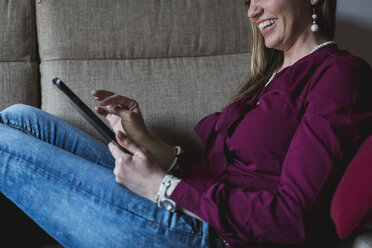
270	161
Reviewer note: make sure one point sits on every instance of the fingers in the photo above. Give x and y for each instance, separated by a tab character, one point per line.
117	153
99	95
121	159
122	101
102	111
110	116
111	113
128	144
114	103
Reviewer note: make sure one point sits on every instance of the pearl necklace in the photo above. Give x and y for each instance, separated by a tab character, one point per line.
322	45
271	78
315	48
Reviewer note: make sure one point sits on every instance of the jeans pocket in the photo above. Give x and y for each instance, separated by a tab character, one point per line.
182	223
189	224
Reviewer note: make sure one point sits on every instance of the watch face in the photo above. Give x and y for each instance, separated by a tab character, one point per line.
165	204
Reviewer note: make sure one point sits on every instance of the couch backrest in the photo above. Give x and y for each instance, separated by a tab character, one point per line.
19	69
181	60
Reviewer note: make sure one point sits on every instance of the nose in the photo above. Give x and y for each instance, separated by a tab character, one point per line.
254	9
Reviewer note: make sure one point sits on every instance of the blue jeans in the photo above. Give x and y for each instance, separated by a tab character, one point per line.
63	179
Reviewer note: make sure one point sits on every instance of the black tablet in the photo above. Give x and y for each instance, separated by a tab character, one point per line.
88	114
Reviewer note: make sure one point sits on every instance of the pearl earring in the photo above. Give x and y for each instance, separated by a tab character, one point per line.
314	27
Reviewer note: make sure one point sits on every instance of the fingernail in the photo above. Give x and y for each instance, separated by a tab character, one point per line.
121	135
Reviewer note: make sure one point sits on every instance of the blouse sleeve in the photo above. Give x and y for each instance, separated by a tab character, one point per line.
337	112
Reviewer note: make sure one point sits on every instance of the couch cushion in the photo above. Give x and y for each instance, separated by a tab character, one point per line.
19	83
173	93
17	30
181	60
124	29
19	75
351	207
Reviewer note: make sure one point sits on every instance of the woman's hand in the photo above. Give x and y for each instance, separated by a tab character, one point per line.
138	172
123	114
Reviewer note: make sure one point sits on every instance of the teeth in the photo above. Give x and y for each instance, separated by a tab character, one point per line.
264	24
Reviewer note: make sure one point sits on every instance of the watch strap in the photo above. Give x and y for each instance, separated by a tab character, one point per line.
166	188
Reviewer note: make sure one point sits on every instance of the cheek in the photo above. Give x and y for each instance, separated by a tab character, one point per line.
294	25
294	12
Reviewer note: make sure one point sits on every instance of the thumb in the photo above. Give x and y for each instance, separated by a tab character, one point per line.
123	113
127	143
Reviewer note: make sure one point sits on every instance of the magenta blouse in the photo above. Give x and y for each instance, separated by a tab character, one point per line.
270	163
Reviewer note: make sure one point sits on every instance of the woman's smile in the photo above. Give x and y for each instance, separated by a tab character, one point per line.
266	23
267	26
282	23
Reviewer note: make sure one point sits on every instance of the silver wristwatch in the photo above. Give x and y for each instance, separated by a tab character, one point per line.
166	188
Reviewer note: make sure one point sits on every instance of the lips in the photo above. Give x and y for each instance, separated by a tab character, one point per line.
266	23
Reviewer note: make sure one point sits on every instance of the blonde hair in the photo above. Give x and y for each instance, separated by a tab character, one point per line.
264	61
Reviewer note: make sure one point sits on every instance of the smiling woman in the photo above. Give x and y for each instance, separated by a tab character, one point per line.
268	167
266	59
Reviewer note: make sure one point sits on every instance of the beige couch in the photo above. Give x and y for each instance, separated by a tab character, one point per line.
181	60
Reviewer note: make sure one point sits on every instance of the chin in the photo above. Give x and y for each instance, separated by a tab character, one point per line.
270	44
274	42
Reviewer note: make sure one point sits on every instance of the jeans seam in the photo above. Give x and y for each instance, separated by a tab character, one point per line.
102	199
22	129
176	231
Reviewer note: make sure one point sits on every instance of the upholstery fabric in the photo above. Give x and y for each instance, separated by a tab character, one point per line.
19	77
81	29
173	93
19	83
351	207
17	30
181	60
